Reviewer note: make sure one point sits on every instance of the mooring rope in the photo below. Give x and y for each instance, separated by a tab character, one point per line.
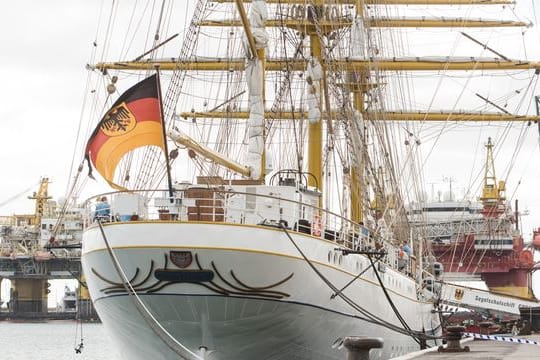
369	317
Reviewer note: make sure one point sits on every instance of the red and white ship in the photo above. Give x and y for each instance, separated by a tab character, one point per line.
481	238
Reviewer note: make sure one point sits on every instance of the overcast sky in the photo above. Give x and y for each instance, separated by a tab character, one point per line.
44	49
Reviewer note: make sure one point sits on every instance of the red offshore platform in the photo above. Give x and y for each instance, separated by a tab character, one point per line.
485	239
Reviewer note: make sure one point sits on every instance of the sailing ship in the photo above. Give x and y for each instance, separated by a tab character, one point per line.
287	236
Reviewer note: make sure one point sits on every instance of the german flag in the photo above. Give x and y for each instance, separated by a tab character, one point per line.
132	122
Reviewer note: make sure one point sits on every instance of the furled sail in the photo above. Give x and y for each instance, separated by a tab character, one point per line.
313	80
255	81
358	38
133	121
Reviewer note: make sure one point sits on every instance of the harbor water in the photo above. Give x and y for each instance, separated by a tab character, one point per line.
54	340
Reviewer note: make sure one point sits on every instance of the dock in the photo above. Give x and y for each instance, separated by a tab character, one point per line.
484	349
29	277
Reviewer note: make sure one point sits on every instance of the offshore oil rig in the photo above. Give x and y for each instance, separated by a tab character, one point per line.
481	240
37	248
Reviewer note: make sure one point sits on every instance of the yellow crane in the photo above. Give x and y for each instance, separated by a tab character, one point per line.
41	196
493	193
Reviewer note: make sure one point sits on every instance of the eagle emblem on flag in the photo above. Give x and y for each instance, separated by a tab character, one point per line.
118	121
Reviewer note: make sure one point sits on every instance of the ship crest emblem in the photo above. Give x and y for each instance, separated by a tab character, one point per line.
458	295
182	259
118	121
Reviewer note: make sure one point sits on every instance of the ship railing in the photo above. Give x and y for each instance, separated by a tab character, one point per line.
223	206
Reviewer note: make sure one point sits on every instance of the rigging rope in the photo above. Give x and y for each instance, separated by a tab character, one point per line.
14	197
79	345
389	299
367	315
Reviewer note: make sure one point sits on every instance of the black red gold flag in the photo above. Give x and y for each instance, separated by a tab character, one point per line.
133	121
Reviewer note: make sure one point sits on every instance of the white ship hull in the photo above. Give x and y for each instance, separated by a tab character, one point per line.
264	301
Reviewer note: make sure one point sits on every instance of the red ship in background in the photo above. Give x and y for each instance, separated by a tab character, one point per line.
481	239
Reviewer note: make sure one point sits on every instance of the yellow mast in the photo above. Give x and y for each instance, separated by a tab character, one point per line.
247	28
356	205
395	64
326	25
455	116
316	25
315	127
262	57
208	153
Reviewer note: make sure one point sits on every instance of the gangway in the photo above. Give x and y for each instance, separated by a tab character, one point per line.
481	300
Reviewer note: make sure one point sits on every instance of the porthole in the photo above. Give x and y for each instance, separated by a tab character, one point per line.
340	259
329	256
